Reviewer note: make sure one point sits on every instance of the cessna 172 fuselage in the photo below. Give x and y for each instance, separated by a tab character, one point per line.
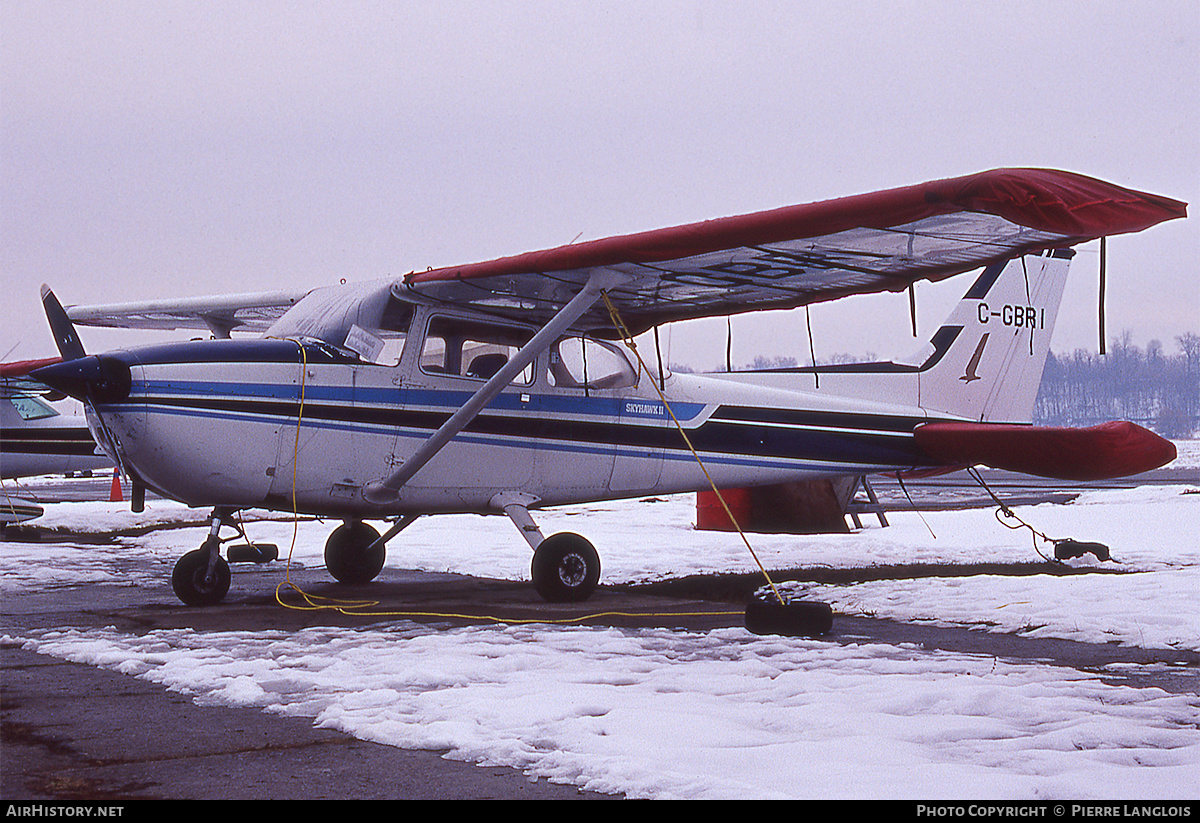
505	387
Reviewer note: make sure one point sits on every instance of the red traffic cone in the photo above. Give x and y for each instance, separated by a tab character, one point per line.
115	495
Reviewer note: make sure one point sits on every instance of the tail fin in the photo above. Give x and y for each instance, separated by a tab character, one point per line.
987	358
984	364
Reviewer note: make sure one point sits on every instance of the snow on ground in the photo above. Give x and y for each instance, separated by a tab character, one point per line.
1187	454
723	714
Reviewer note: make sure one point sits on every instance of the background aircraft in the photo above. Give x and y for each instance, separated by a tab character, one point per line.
37	437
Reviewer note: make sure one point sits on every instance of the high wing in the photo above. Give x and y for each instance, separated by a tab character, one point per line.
808	253
783	258
15	379
218	314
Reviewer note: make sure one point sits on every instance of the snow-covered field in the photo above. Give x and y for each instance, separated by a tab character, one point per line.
725	714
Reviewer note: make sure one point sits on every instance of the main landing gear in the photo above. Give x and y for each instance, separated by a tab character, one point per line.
354	553
566	567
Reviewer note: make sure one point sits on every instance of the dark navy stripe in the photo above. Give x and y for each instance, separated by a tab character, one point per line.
865	446
47	441
257	350
820	419
983	284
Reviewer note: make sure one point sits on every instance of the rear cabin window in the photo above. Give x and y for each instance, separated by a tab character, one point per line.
474	349
582	362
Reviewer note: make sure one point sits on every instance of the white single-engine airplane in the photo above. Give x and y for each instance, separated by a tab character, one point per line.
500	387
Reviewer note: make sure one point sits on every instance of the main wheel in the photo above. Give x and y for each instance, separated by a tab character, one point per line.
566	568
192	582
349	556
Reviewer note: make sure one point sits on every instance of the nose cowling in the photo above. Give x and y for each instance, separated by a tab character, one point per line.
96	378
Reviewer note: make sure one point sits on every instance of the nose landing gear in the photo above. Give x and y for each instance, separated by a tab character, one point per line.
201	577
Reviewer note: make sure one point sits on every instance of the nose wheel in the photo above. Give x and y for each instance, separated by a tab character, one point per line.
201	577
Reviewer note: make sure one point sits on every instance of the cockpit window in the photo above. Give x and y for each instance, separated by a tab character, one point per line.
587	363
471	348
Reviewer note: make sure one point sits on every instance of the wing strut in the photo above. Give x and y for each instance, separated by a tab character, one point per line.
387	490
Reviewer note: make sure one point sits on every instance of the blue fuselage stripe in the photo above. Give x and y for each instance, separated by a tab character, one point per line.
752	436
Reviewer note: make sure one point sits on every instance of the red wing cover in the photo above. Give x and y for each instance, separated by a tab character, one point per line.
20	368
808	253
1115	449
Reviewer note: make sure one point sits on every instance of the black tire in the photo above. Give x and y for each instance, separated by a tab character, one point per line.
348	555
566	568
191	581
1067	549
796	618
252	553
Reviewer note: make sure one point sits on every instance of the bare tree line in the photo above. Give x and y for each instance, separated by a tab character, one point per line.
1146	386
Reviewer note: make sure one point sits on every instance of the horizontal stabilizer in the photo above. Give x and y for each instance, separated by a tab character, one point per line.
1115	449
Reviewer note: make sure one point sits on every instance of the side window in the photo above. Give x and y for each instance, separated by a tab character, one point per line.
470	348
582	362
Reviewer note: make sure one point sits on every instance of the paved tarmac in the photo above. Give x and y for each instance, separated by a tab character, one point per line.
73	731
76	732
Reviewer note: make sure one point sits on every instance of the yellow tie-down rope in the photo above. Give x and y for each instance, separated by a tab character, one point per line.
627	337
365	607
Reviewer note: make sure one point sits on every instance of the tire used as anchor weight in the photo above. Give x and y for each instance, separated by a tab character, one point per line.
349	556
252	553
192	582
794	618
566	568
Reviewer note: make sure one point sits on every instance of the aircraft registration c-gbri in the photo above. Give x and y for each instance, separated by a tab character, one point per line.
502	386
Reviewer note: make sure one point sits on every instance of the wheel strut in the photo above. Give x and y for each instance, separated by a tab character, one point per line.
221	516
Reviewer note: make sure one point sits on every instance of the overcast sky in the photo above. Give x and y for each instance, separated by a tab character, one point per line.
185	148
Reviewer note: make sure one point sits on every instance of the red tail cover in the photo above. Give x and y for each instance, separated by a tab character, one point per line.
1115	449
